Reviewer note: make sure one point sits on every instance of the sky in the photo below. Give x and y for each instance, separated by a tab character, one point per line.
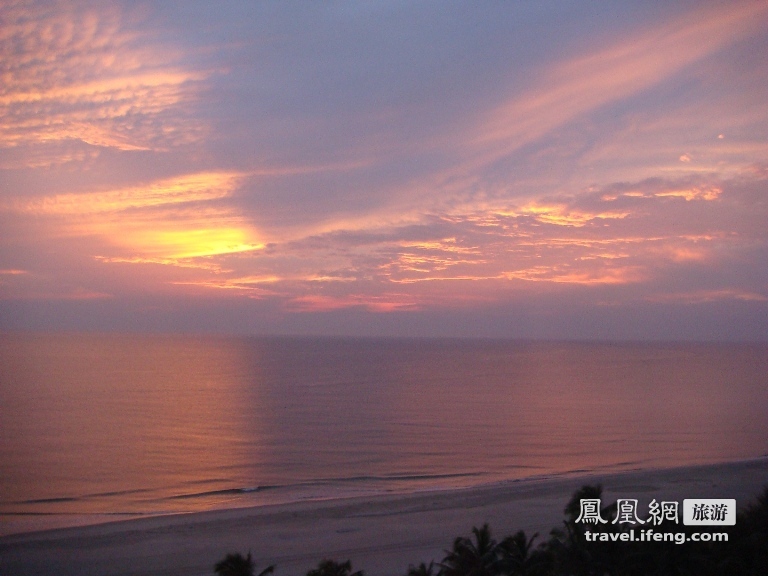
555	169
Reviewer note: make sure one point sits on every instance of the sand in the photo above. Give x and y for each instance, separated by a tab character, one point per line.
381	535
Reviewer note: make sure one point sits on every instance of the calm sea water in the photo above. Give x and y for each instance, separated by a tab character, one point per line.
96	427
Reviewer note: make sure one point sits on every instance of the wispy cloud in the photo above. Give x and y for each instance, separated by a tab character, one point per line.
662	232
703	296
168	221
80	73
587	82
183	189
343	164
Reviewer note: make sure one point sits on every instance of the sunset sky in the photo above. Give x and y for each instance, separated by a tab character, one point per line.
516	169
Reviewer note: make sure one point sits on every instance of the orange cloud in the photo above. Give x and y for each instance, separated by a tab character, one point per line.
562	215
189	239
561	275
382	303
177	262
77	74
13	272
197	187
168	221
692	194
248	286
597	243
585	83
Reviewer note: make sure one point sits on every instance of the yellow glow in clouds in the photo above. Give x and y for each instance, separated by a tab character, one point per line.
174	218
195	242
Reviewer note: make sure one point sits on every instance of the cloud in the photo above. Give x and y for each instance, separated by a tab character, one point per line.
703	296
586	82
380	303
169	221
75	73
488	153
507	145
321	161
200	187
650	235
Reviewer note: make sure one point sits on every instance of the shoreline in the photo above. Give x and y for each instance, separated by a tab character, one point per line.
34	522
381	534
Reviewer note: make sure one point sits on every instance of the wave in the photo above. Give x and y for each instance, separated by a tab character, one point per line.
326	482
83	497
221	492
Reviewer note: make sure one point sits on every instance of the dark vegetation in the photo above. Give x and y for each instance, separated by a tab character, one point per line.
239	565
567	552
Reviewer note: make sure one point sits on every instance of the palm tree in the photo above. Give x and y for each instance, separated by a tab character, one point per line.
333	568
468	558
421	570
569	545
517	554
238	565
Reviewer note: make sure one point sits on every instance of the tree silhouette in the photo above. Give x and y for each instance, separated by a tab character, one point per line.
333	568
569	553
236	564
468	558
569	546
421	570
517	556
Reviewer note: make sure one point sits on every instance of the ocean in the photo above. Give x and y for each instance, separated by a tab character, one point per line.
102	427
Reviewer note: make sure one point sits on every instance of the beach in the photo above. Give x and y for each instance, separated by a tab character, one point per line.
361	281
380	535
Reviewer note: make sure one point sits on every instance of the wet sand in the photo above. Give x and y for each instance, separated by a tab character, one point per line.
380	535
